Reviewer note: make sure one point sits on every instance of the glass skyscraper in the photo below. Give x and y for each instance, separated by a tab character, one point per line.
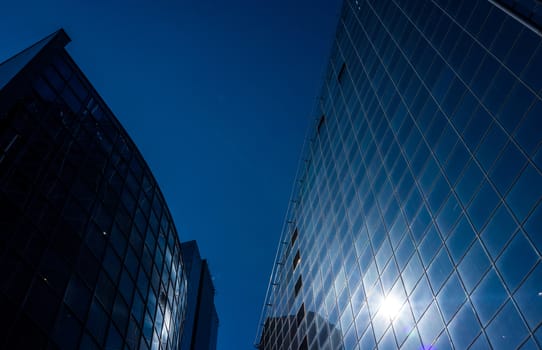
416	218
89	254
200	329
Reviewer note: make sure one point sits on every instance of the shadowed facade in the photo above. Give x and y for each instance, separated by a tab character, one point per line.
89	254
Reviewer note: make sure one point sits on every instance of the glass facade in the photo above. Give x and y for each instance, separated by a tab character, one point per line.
529	11
416	219
200	329
89	255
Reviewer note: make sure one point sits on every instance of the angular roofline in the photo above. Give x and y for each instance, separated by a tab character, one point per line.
59	37
12	66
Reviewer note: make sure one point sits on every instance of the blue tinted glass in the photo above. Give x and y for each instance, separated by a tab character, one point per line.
478	125
431	160
451	297
418	226
44	89
532	227
478	16
460	239
538	158
442	343
462	46
515	107
473	266
507	168
482	205
446	142
430	325
491	26
527	134
464	327
422	297
530	345
105	291
112	264
488	297
97	322
362	319
368	340
448	216
498	231
54	79
507	330
539	335
457	160
529	297
453	96
525	193
441	30
114	339
470	180
428	175
412	273
404	251
523	49
533	71
483	77
61	65
480	343
436	198
80	91
430	245
77	297
436	129
516	261
439	270
498	90
510	29
388	340
472	62
491	146
388	276
70	99
403	323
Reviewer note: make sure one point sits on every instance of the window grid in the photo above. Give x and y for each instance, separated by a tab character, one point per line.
406	186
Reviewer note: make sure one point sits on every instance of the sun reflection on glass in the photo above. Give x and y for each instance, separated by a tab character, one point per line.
391	306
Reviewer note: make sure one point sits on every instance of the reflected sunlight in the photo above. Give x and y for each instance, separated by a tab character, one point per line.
391	306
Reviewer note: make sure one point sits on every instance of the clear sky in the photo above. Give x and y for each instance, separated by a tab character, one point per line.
217	95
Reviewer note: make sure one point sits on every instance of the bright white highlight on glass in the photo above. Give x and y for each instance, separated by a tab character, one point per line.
391	306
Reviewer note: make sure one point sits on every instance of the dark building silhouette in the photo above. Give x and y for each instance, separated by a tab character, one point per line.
416	220
201	322
89	254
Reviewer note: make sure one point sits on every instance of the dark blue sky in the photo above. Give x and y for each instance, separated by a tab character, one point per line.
217	96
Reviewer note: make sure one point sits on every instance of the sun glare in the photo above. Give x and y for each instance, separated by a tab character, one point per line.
391	306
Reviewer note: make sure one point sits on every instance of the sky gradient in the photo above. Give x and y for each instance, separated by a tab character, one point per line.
217	96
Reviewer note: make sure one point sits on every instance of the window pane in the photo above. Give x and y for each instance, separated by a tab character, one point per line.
506	331
529	297
488	296
464	327
516	261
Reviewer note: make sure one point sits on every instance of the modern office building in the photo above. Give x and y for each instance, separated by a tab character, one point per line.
290	324
89	255
201	321
416	219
